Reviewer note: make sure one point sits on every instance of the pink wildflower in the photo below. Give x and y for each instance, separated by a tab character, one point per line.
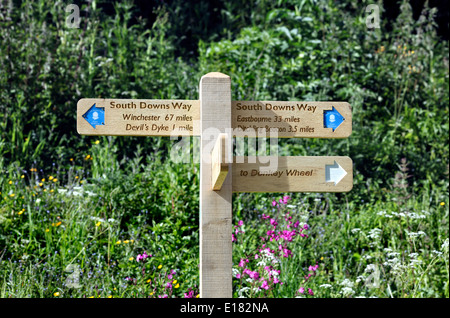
189	294
143	256
254	275
265	285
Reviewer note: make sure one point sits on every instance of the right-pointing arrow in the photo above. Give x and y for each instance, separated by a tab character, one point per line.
334	173
332	119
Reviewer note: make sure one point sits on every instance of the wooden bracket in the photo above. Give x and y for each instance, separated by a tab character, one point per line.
219	164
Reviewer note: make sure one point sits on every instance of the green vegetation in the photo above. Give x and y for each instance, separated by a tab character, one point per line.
84	208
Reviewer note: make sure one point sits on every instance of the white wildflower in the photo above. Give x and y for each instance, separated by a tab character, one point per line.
360	278
444	246
415	234
347	283
370	268
415	262
393	254
242	292
325	286
347	291
374	233
437	253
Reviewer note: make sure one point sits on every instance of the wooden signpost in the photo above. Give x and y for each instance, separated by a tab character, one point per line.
217	119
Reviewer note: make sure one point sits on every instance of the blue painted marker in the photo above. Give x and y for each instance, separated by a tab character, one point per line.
332	119
95	116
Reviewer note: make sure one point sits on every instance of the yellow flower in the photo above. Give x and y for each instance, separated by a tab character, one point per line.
110	296
198	296
442	203
47	230
76	177
174	281
91	297
41	184
50	178
98	223
149	280
54	180
43	180
56	294
22	176
118	242
12	194
20	212
131	258
58	224
177	285
97	142
160	266
125	242
87	157
151	294
321	258
71	159
10	182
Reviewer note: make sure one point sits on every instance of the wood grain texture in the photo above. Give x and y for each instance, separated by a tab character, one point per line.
141	117
160	117
291	119
215	206
292	174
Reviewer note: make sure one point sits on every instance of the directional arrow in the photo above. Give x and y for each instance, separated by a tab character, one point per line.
332	119
292	174
334	173
95	116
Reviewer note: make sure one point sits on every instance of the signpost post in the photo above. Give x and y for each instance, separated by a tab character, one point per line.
217	119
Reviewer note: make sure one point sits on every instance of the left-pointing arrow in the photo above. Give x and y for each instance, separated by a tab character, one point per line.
95	116
334	173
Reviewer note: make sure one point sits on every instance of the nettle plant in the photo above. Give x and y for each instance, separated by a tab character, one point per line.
258	273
